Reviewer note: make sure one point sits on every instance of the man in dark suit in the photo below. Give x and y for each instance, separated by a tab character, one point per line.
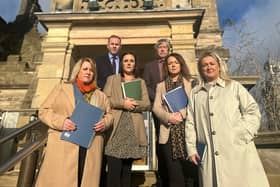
153	74
108	64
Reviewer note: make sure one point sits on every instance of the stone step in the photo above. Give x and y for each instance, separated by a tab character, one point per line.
16	78
12	67
18	67
9	179
143	179
139	179
274	180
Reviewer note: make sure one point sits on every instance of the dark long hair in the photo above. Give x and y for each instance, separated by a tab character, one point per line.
185	72
135	72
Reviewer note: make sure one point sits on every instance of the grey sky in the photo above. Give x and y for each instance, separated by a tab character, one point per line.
9	9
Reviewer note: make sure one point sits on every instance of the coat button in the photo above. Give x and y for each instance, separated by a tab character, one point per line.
216	153
213	133
211	114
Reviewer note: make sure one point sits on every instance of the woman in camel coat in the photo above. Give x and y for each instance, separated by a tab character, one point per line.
128	139
172	127
64	161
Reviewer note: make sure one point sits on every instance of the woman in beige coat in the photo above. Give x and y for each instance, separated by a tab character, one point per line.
172	126
66	164
224	117
128	139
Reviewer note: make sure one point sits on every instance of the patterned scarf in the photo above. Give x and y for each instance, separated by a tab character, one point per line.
177	132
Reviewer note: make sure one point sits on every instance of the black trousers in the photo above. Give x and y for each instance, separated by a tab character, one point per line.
181	173
119	172
162	176
103	175
81	163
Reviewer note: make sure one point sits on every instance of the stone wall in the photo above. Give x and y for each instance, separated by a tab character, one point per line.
210	35
17	84
12	98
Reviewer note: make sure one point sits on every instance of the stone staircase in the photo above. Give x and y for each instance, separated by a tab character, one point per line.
9	179
17	83
139	179
147	178
268	146
271	162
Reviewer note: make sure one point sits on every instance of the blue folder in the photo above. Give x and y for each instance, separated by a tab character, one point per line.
84	116
176	99
200	147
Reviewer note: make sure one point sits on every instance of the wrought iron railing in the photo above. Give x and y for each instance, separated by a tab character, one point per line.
29	155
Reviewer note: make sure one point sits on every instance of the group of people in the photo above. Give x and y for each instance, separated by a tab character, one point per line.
221	115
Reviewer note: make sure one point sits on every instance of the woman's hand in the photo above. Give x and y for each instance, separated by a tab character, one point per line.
99	126
69	125
194	159
175	118
130	104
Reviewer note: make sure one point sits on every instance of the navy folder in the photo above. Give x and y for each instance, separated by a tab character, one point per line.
176	99
84	116
200	147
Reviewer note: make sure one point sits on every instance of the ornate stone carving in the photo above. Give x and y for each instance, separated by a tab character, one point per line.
124	5
62	4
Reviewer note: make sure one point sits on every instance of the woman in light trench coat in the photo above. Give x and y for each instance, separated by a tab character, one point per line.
65	161
225	117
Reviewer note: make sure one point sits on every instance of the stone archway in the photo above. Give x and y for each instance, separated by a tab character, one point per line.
68	31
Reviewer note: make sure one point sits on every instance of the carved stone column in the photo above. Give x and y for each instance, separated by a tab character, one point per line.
69	62
55	65
183	41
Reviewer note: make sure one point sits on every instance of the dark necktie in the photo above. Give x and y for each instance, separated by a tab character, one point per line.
114	64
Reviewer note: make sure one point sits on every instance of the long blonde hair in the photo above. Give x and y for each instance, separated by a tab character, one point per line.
223	66
77	67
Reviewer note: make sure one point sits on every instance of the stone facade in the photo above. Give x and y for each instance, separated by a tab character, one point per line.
17	87
20	45
210	35
16	82
71	36
12	99
74	31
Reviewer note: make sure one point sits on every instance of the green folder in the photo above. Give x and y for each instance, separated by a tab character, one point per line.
132	89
